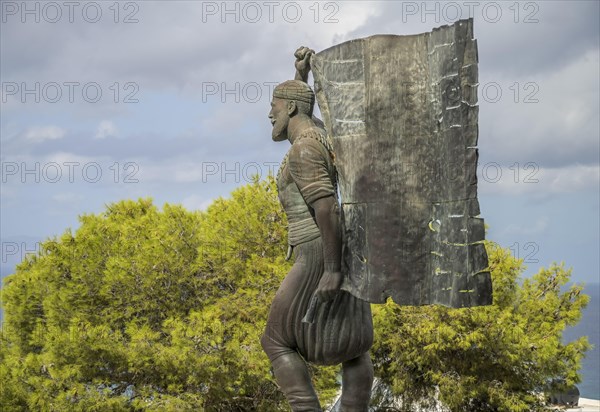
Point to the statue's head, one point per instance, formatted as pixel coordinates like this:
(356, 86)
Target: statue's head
(290, 98)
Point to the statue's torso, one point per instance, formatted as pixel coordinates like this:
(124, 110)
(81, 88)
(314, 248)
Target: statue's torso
(301, 222)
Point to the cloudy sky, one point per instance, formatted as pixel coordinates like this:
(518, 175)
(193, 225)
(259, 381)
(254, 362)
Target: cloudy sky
(103, 101)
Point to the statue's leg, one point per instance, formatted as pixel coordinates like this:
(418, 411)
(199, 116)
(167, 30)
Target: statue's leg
(293, 378)
(284, 333)
(291, 373)
(357, 379)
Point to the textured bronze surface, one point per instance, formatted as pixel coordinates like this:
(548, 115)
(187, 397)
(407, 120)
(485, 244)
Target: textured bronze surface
(401, 112)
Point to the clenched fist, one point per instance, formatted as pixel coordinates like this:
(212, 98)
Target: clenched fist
(329, 286)
(302, 63)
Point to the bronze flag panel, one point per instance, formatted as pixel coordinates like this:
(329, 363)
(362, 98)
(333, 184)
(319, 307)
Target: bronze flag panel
(401, 112)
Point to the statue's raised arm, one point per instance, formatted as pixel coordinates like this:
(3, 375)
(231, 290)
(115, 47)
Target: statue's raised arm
(303, 55)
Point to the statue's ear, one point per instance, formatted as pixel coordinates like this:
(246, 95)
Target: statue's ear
(292, 108)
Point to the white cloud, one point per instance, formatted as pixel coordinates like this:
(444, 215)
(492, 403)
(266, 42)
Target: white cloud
(538, 227)
(530, 179)
(67, 197)
(39, 134)
(200, 46)
(63, 158)
(187, 173)
(573, 178)
(106, 128)
(218, 171)
(557, 127)
(196, 202)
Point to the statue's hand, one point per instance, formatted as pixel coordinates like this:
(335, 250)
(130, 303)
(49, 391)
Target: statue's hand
(329, 286)
(303, 61)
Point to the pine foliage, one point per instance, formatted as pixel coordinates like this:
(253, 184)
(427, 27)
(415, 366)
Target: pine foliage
(162, 310)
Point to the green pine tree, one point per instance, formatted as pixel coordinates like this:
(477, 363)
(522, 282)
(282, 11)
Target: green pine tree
(162, 310)
(500, 358)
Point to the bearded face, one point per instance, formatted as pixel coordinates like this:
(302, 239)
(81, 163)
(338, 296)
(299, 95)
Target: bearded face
(279, 119)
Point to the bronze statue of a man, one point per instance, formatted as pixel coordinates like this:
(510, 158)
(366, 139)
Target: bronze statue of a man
(342, 330)
(409, 233)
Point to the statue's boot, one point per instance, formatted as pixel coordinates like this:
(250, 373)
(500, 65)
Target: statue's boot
(293, 378)
(357, 380)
